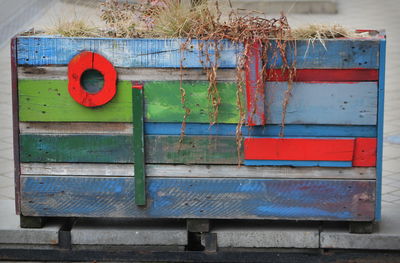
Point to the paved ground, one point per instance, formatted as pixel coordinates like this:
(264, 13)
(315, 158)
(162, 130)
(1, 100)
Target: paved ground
(361, 14)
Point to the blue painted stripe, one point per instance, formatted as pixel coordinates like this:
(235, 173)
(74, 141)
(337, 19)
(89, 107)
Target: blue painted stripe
(297, 163)
(381, 101)
(232, 198)
(166, 52)
(157, 128)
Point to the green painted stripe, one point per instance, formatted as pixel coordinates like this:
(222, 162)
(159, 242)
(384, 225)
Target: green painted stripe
(49, 100)
(119, 149)
(138, 142)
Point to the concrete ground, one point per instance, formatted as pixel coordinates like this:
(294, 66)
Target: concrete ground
(358, 14)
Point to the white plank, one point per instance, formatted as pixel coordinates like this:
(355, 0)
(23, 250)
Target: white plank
(197, 171)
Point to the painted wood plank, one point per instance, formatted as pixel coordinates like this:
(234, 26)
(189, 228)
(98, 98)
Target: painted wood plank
(197, 171)
(324, 103)
(311, 103)
(129, 74)
(160, 74)
(160, 53)
(154, 128)
(118, 149)
(380, 122)
(255, 92)
(298, 149)
(328, 75)
(298, 163)
(339, 53)
(49, 100)
(200, 198)
(138, 144)
(364, 152)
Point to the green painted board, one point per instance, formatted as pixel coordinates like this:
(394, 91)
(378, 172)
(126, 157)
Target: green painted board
(49, 100)
(119, 149)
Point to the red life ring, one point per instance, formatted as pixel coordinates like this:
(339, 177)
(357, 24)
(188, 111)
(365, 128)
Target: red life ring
(85, 61)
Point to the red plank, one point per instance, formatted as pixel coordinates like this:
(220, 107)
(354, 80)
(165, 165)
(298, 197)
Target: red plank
(255, 90)
(328, 75)
(298, 149)
(365, 152)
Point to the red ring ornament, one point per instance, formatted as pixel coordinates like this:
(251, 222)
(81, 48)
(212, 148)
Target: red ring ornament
(85, 61)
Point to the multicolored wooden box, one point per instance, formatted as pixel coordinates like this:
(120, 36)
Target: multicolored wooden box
(75, 149)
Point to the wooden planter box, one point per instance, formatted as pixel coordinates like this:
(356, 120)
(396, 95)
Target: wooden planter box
(77, 161)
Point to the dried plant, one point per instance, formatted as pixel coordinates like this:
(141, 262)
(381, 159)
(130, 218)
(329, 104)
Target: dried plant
(74, 28)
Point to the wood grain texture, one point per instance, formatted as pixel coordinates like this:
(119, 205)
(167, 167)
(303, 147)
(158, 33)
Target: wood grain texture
(15, 120)
(200, 198)
(311, 103)
(119, 149)
(255, 92)
(160, 74)
(364, 152)
(324, 103)
(298, 163)
(160, 53)
(138, 143)
(380, 123)
(197, 171)
(153, 128)
(49, 100)
(129, 74)
(337, 53)
(298, 149)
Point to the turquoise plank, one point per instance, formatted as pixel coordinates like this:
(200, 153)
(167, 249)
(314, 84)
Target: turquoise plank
(146, 53)
(165, 53)
(297, 163)
(154, 128)
(324, 103)
(199, 198)
(381, 103)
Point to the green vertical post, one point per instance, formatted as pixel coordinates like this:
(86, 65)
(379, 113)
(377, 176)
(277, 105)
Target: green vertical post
(138, 144)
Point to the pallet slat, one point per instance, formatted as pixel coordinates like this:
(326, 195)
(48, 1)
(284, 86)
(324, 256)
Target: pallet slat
(200, 198)
(352, 103)
(166, 53)
(197, 171)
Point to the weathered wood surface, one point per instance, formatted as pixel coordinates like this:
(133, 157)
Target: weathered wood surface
(323, 103)
(129, 74)
(298, 163)
(365, 152)
(338, 53)
(50, 101)
(200, 198)
(380, 123)
(152, 74)
(298, 149)
(311, 103)
(138, 143)
(153, 128)
(196, 171)
(163, 53)
(119, 149)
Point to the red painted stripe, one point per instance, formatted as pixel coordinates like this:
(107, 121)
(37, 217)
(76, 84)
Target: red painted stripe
(326, 75)
(298, 149)
(365, 152)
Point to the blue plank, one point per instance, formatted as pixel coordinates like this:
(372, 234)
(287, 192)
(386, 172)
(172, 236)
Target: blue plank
(160, 53)
(199, 198)
(297, 163)
(324, 103)
(165, 53)
(381, 101)
(154, 128)
(337, 53)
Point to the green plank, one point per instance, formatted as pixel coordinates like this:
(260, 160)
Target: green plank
(138, 144)
(159, 149)
(49, 100)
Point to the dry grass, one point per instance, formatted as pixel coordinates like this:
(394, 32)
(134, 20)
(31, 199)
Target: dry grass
(74, 28)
